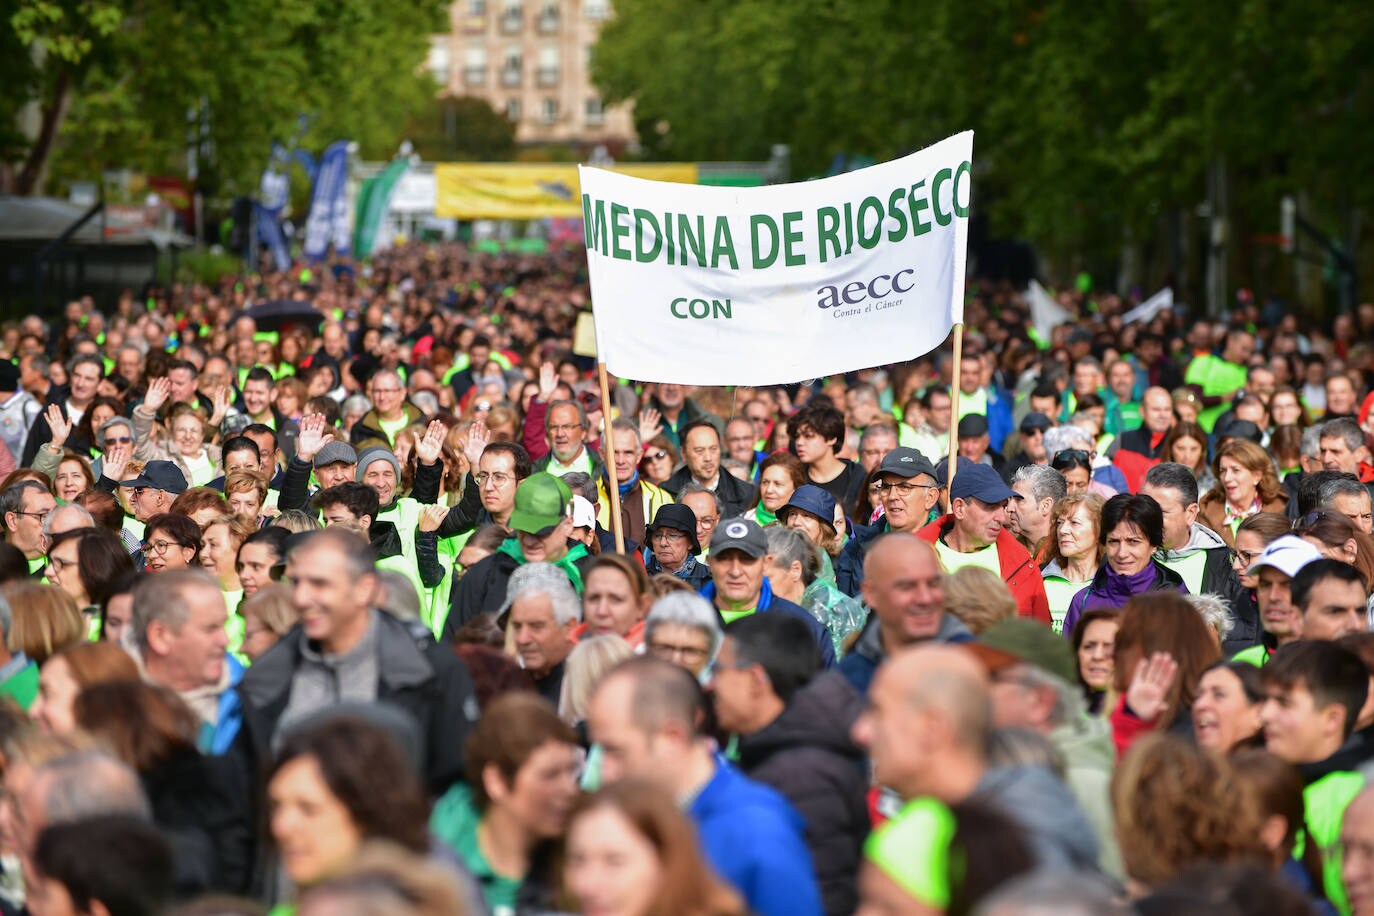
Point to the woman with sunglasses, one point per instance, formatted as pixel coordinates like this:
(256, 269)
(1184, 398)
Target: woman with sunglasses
(660, 458)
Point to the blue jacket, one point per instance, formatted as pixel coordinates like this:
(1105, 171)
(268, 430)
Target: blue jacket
(770, 602)
(999, 416)
(754, 839)
(228, 716)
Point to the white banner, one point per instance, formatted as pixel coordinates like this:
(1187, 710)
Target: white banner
(1145, 311)
(778, 284)
(1046, 313)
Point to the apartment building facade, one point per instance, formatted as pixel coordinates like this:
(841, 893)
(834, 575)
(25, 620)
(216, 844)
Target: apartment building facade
(531, 60)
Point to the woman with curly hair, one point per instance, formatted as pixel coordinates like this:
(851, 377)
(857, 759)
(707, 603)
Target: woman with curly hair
(1177, 805)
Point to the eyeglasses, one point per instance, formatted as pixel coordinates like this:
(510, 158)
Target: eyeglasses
(707, 521)
(758, 421)
(373, 392)
(496, 478)
(1244, 557)
(157, 548)
(670, 652)
(118, 440)
(668, 536)
(657, 456)
(904, 488)
(41, 516)
(58, 564)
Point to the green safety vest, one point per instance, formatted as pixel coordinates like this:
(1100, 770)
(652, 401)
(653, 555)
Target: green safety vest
(1255, 655)
(1190, 568)
(1325, 802)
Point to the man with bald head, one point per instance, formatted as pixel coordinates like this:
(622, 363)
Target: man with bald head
(927, 729)
(903, 587)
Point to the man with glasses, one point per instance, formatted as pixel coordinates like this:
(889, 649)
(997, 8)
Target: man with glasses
(707, 508)
(1032, 444)
(907, 492)
(390, 412)
(673, 546)
(26, 506)
(153, 490)
(975, 533)
(565, 429)
(739, 445)
(877, 440)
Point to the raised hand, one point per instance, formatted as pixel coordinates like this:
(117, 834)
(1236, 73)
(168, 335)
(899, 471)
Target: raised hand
(116, 461)
(159, 390)
(223, 400)
(548, 381)
(1149, 691)
(430, 446)
(650, 424)
(478, 439)
(431, 517)
(61, 427)
(311, 437)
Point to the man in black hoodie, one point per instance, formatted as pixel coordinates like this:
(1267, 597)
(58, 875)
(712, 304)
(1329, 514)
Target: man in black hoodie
(793, 722)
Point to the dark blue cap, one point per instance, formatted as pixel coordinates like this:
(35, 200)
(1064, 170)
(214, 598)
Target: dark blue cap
(980, 481)
(160, 475)
(814, 500)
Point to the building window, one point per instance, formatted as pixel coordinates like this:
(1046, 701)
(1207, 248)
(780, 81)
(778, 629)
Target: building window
(512, 17)
(513, 110)
(475, 66)
(548, 111)
(597, 9)
(511, 67)
(549, 18)
(596, 116)
(547, 74)
(440, 59)
(477, 7)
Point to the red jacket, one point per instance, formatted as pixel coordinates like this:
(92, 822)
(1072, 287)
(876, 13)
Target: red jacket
(1018, 570)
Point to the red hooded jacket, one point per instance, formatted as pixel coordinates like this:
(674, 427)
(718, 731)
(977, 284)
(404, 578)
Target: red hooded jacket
(1019, 570)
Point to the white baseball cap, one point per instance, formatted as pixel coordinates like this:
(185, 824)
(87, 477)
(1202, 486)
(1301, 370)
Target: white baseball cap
(584, 516)
(1287, 554)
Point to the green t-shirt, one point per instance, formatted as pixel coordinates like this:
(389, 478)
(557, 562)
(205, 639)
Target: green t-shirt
(952, 559)
(1217, 377)
(392, 427)
(454, 822)
(202, 469)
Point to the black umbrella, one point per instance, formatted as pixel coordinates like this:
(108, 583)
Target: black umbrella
(283, 313)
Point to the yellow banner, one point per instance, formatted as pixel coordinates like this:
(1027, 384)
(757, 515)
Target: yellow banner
(500, 191)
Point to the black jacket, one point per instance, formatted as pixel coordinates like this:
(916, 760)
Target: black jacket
(40, 434)
(203, 806)
(807, 755)
(416, 675)
(735, 494)
(482, 589)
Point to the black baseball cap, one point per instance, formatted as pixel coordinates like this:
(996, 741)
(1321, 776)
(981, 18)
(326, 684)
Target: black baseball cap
(971, 426)
(906, 462)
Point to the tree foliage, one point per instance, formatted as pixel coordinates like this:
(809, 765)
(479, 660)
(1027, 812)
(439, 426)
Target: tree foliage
(137, 71)
(465, 129)
(1092, 121)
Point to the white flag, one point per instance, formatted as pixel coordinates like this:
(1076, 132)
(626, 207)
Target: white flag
(1160, 301)
(1046, 314)
(770, 285)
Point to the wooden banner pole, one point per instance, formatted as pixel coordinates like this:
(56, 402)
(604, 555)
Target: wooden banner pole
(954, 408)
(608, 455)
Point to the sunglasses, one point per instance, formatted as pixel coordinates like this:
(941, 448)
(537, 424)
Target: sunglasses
(657, 456)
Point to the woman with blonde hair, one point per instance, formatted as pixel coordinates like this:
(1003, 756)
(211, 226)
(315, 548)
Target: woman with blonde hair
(1074, 551)
(45, 620)
(184, 444)
(978, 597)
(268, 614)
(1247, 484)
(589, 660)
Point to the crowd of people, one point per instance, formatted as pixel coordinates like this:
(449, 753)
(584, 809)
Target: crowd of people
(333, 615)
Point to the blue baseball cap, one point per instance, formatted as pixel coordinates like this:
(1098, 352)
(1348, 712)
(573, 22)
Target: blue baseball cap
(981, 482)
(812, 500)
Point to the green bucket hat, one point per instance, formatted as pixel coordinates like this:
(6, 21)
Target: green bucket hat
(541, 502)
